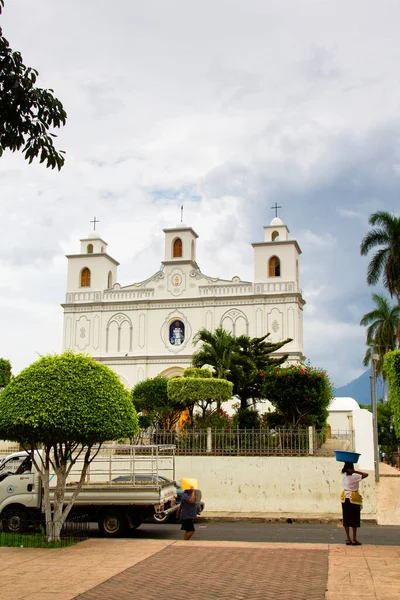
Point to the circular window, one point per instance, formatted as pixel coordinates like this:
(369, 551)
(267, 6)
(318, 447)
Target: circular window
(176, 333)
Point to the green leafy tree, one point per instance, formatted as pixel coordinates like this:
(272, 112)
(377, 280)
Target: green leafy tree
(241, 360)
(5, 372)
(300, 395)
(27, 112)
(58, 409)
(253, 360)
(392, 369)
(150, 398)
(198, 386)
(385, 263)
(382, 325)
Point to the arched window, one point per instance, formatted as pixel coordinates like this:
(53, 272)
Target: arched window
(177, 248)
(109, 280)
(275, 236)
(274, 267)
(102, 249)
(90, 249)
(193, 253)
(85, 277)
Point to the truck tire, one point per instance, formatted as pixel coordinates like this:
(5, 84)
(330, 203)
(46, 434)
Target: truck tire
(161, 518)
(113, 523)
(14, 520)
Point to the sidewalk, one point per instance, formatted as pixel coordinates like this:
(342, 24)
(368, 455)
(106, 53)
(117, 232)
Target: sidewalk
(101, 569)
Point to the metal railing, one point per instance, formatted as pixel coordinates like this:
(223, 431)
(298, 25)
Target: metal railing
(252, 442)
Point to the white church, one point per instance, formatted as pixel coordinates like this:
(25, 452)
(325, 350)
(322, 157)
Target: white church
(145, 329)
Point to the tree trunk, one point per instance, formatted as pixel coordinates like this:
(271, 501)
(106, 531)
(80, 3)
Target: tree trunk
(244, 403)
(62, 464)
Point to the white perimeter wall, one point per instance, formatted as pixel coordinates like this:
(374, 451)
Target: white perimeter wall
(301, 485)
(363, 439)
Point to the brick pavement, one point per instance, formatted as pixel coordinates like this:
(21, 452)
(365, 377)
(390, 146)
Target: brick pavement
(121, 569)
(226, 573)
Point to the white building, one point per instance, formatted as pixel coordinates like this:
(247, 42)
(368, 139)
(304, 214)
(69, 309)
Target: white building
(346, 417)
(147, 328)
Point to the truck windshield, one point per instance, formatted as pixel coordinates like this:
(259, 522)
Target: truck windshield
(12, 464)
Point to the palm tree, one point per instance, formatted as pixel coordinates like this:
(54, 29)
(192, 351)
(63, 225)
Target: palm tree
(383, 323)
(386, 261)
(218, 350)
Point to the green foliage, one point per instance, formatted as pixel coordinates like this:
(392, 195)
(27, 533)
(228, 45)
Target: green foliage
(66, 398)
(200, 390)
(392, 370)
(27, 112)
(300, 395)
(215, 418)
(382, 322)
(150, 397)
(189, 390)
(218, 350)
(26, 540)
(386, 261)
(247, 418)
(240, 360)
(199, 373)
(5, 372)
(253, 360)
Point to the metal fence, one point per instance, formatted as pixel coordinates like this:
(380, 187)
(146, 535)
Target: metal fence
(252, 442)
(28, 533)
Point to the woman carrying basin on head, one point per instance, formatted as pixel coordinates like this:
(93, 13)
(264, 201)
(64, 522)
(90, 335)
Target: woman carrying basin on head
(351, 501)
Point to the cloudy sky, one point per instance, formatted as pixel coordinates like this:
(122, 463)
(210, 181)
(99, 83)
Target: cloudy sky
(227, 106)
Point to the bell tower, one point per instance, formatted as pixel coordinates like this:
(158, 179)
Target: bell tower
(180, 246)
(92, 269)
(276, 259)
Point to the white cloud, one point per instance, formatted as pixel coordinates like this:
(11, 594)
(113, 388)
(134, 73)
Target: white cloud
(227, 106)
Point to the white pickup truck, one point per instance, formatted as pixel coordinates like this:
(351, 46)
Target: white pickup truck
(114, 494)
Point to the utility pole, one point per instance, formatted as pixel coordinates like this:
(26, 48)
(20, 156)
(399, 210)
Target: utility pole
(374, 359)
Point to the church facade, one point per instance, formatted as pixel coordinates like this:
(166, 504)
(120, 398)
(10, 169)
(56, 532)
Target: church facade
(147, 328)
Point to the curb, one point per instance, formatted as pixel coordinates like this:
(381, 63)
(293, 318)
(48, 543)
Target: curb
(286, 520)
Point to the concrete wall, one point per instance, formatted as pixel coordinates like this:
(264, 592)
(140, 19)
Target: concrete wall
(388, 492)
(296, 485)
(363, 438)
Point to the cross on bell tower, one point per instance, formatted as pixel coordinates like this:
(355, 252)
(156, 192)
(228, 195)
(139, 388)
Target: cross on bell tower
(95, 221)
(275, 208)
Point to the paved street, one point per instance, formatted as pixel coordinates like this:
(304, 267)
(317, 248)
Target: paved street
(245, 531)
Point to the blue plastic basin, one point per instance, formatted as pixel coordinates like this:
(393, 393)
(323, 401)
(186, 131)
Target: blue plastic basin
(343, 456)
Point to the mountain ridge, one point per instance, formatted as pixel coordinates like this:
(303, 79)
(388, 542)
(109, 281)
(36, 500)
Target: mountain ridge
(360, 389)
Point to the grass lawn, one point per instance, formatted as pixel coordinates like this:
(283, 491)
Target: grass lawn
(33, 540)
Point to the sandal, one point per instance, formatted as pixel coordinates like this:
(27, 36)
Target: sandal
(349, 543)
(356, 543)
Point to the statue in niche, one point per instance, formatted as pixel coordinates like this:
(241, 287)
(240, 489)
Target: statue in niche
(177, 333)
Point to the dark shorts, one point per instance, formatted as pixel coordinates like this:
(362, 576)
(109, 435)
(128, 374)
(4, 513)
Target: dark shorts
(351, 514)
(188, 525)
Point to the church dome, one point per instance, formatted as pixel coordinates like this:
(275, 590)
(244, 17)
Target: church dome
(94, 235)
(343, 404)
(276, 221)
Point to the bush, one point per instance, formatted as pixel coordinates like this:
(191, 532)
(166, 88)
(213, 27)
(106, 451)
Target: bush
(300, 395)
(247, 418)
